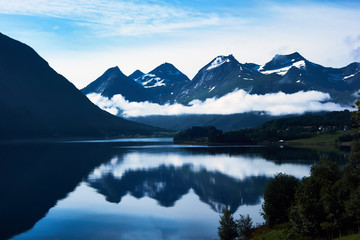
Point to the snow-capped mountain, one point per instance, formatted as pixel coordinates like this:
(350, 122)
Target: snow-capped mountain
(163, 83)
(112, 82)
(287, 73)
(165, 75)
(292, 73)
(160, 85)
(219, 77)
(281, 64)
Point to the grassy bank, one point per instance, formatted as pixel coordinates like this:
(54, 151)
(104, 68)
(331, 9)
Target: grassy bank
(323, 139)
(281, 232)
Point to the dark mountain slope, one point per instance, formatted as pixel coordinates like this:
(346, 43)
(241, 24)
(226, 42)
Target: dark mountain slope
(292, 73)
(113, 82)
(222, 75)
(163, 83)
(37, 102)
(286, 73)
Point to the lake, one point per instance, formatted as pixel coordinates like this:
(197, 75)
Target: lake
(136, 188)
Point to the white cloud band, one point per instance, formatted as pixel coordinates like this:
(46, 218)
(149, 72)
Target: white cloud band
(238, 101)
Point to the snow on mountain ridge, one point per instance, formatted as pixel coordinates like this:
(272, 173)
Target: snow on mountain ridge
(282, 71)
(218, 62)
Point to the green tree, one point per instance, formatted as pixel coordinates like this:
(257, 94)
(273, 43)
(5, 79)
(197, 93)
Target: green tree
(352, 207)
(228, 228)
(279, 195)
(356, 116)
(351, 177)
(305, 214)
(318, 207)
(244, 226)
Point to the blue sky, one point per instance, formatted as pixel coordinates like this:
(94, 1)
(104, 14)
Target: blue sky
(81, 39)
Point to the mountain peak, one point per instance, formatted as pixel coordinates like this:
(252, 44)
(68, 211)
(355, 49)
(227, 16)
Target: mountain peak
(285, 59)
(113, 82)
(136, 74)
(220, 60)
(166, 76)
(113, 72)
(168, 71)
(280, 64)
(296, 55)
(165, 68)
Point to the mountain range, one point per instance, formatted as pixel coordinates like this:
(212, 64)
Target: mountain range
(37, 102)
(159, 85)
(224, 74)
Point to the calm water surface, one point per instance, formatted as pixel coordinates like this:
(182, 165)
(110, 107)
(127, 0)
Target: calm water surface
(136, 188)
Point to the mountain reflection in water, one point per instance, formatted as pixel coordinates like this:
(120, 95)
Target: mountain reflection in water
(36, 178)
(167, 184)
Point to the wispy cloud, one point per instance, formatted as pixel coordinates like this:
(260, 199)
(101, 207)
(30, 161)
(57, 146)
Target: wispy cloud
(111, 17)
(236, 102)
(82, 38)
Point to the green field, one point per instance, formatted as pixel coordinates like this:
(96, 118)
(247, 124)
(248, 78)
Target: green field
(350, 237)
(322, 138)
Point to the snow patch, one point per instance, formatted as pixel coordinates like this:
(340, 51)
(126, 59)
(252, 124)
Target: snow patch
(158, 83)
(352, 75)
(282, 71)
(218, 62)
(151, 81)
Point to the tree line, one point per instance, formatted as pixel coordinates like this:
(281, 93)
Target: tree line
(273, 131)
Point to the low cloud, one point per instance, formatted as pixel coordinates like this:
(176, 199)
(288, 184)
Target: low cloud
(238, 101)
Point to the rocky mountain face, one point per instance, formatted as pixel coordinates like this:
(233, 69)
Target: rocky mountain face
(113, 82)
(224, 74)
(163, 83)
(37, 102)
(160, 85)
(292, 73)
